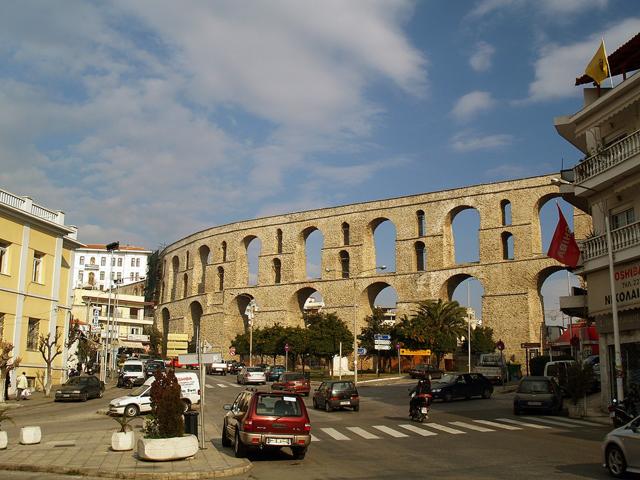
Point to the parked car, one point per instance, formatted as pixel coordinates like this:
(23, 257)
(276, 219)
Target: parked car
(425, 370)
(133, 371)
(559, 371)
(152, 366)
(537, 393)
(81, 388)
(293, 382)
(236, 367)
(464, 385)
(217, 368)
(620, 449)
(275, 372)
(251, 375)
(336, 394)
(266, 420)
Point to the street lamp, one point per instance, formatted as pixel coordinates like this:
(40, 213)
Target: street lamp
(612, 286)
(355, 317)
(111, 247)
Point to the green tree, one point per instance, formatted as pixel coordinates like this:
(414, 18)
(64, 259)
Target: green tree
(154, 273)
(375, 325)
(155, 340)
(166, 404)
(481, 341)
(436, 325)
(241, 343)
(326, 331)
(299, 346)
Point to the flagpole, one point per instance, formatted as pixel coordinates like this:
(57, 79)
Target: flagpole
(607, 60)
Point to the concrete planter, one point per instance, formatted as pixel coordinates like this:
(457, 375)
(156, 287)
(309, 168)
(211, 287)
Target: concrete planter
(122, 441)
(165, 449)
(4, 440)
(30, 435)
(578, 410)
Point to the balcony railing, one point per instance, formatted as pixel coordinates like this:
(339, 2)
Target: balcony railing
(609, 157)
(621, 238)
(26, 204)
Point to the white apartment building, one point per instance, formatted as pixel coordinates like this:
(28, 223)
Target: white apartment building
(93, 265)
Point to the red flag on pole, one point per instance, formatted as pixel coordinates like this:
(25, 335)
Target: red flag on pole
(563, 245)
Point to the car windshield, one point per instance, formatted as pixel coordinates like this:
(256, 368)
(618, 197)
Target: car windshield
(535, 386)
(448, 378)
(293, 376)
(139, 391)
(338, 386)
(78, 381)
(132, 368)
(254, 369)
(280, 406)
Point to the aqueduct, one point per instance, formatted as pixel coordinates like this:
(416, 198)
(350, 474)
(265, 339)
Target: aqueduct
(205, 276)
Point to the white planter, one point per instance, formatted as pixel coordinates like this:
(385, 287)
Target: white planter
(30, 435)
(164, 449)
(4, 440)
(121, 441)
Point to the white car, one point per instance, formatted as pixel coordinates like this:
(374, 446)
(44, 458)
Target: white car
(621, 449)
(251, 375)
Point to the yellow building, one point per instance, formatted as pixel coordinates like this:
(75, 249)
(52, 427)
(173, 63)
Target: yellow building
(36, 259)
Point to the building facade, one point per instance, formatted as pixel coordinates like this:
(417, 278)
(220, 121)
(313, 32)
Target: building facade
(94, 264)
(36, 259)
(606, 184)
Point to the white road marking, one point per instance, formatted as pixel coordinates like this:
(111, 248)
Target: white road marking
(418, 430)
(222, 385)
(208, 386)
(314, 438)
(551, 422)
(496, 424)
(578, 422)
(363, 433)
(333, 433)
(444, 428)
(524, 424)
(470, 426)
(389, 431)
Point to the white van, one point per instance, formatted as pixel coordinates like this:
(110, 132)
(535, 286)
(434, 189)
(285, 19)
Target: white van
(133, 369)
(139, 400)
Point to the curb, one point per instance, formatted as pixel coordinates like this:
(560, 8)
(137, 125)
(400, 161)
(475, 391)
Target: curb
(95, 472)
(380, 379)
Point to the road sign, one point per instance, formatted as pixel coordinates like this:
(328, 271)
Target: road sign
(406, 351)
(96, 316)
(286, 347)
(500, 345)
(232, 350)
(382, 342)
(383, 347)
(382, 336)
(362, 351)
(192, 358)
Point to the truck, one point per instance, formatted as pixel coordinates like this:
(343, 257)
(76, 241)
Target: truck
(492, 366)
(218, 366)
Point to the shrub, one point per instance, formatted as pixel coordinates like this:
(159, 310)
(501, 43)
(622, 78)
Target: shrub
(579, 381)
(536, 364)
(166, 405)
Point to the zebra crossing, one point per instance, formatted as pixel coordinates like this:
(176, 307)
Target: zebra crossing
(431, 429)
(224, 385)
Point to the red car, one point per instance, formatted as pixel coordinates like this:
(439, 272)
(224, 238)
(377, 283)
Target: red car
(292, 382)
(266, 420)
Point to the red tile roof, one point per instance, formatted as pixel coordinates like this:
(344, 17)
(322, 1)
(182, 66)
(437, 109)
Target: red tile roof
(103, 246)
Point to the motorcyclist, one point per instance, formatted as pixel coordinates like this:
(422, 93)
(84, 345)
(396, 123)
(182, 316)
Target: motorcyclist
(423, 386)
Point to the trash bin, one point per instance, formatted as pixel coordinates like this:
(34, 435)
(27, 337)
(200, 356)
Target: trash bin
(191, 422)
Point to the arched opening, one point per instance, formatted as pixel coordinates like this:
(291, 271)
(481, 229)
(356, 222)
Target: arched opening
(465, 226)
(223, 251)
(187, 261)
(162, 292)
(468, 291)
(548, 216)
(253, 247)
(92, 278)
(175, 267)
(345, 234)
(203, 252)
(313, 243)
(421, 257)
(422, 227)
(553, 283)
(306, 300)
(279, 241)
(384, 296)
(195, 311)
(165, 330)
(505, 208)
(239, 321)
(220, 279)
(384, 239)
(92, 261)
(277, 271)
(185, 286)
(345, 267)
(507, 246)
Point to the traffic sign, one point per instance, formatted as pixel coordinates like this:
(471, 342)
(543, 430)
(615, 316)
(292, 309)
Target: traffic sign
(383, 347)
(500, 345)
(362, 351)
(232, 350)
(407, 351)
(286, 347)
(382, 342)
(382, 336)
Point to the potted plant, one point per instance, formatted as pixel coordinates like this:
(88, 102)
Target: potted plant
(123, 439)
(164, 429)
(4, 439)
(579, 382)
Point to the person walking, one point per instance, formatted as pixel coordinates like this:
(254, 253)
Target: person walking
(21, 384)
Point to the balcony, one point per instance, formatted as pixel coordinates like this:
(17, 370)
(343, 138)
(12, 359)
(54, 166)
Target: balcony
(621, 238)
(608, 158)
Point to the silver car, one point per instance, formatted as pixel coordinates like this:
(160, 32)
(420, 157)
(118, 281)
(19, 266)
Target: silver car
(251, 375)
(621, 449)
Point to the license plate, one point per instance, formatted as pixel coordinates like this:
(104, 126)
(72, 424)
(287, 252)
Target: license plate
(424, 410)
(535, 404)
(278, 441)
(345, 402)
(65, 395)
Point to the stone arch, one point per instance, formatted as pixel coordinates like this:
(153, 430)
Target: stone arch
(203, 254)
(536, 224)
(175, 268)
(383, 248)
(277, 271)
(421, 223)
(251, 264)
(420, 257)
(346, 234)
(220, 279)
(195, 316)
(238, 320)
(366, 300)
(505, 210)
(297, 302)
(165, 329)
(508, 247)
(471, 236)
(313, 252)
(185, 285)
(345, 264)
(223, 251)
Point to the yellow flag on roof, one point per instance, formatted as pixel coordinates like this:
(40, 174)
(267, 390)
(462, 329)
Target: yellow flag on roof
(598, 68)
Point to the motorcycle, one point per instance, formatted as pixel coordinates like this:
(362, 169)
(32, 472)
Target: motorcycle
(623, 412)
(419, 411)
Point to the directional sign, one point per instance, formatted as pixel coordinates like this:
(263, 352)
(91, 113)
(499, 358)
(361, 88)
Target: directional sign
(96, 316)
(232, 350)
(192, 358)
(383, 347)
(362, 351)
(382, 336)
(286, 347)
(382, 342)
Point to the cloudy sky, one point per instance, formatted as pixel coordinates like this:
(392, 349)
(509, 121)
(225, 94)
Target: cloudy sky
(145, 121)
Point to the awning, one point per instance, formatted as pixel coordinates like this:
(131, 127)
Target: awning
(626, 276)
(586, 334)
(128, 344)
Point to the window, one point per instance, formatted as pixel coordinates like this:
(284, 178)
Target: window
(33, 333)
(4, 257)
(113, 261)
(133, 313)
(37, 267)
(120, 262)
(220, 279)
(101, 275)
(277, 270)
(622, 219)
(185, 286)
(119, 277)
(133, 262)
(223, 247)
(344, 264)
(507, 246)
(131, 276)
(421, 262)
(137, 276)
(80, 275)
(279, 241)
(92, 278)
(187, 262)
(421, 223)
(81, 260)
(137, 262)
(505, 207)
(92, 261)
(103, 261)
(1, 325)
(345, 234)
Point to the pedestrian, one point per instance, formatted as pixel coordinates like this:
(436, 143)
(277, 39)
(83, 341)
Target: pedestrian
(7, 383)
(21, 384)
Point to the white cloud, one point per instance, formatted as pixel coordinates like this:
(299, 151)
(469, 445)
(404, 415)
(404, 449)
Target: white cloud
(550, 8)
(481, 59)
(464, 142)
(558, 65)
(471, 104)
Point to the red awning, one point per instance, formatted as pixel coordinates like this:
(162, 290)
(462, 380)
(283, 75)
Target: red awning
(586, 334)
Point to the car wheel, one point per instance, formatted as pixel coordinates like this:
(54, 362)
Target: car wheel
(486, 393)
(356, 408)
(100, 394)
(447, 397)
(225, 440)
(516, 410)
(327, 407)
(616, 463)
(239, 449)
(185, 405)
(315, 404)
(299, 452)
(131, 410)
(84, 397)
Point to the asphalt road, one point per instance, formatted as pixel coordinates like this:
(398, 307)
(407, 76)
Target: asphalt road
(379, 441)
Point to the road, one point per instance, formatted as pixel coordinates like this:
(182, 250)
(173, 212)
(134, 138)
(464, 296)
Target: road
(462, 439)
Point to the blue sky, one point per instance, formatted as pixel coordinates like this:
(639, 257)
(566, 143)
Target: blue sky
(145, 121)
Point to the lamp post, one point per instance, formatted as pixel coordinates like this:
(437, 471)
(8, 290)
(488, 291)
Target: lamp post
(612, 286)
(111, 247)
(355, 317)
